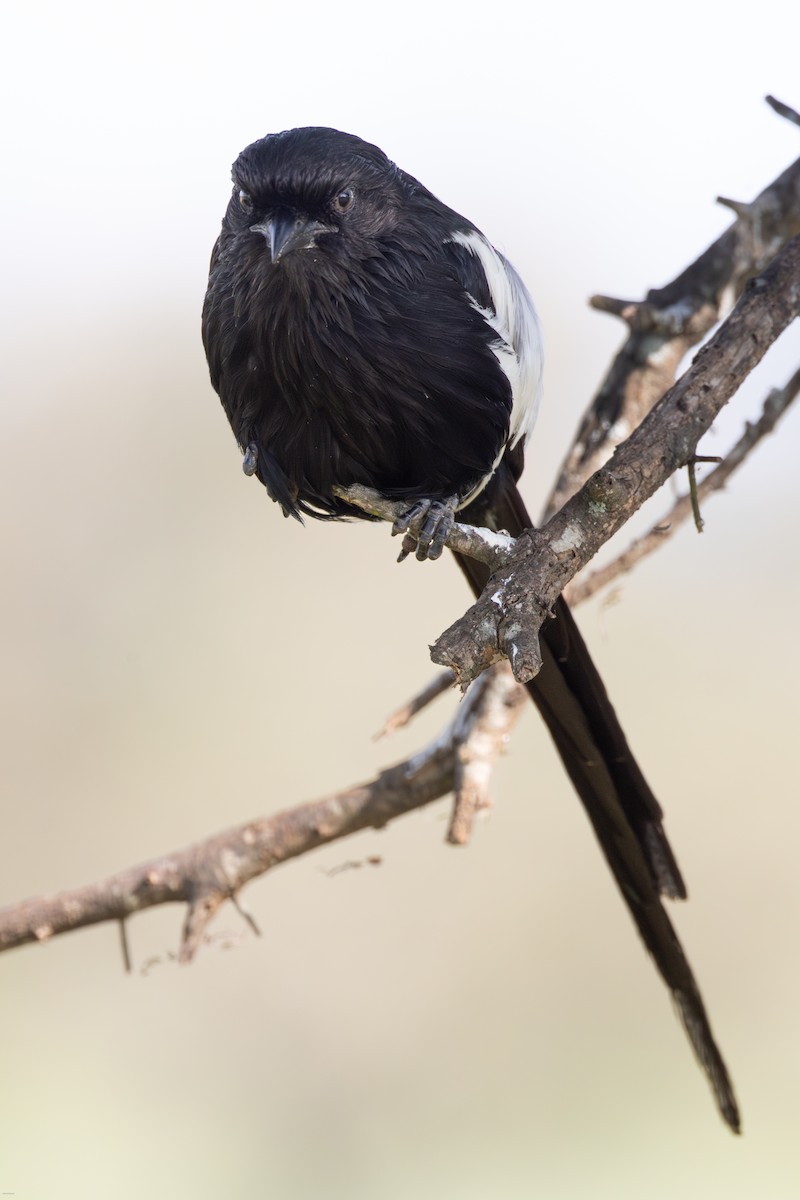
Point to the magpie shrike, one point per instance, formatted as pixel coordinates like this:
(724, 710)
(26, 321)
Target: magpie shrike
(358, 330)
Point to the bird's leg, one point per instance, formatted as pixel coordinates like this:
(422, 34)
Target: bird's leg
(425, 527)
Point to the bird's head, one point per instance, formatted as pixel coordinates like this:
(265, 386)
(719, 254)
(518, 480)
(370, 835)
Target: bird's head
(313, 186)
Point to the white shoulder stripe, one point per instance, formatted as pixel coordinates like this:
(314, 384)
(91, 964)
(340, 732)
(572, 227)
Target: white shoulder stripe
(519, 348)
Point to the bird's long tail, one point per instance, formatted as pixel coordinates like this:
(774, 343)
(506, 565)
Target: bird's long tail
(624, 813)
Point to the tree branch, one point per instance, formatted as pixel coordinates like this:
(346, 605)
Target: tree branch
(205, 875)
(487, 546)
(775, 405)
(671, 319)
(505, 621)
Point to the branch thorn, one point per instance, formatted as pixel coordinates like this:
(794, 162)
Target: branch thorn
(741, 209)
(245, 914)
(124, 945)
(699, 523)
(627, 310)
(783, 110)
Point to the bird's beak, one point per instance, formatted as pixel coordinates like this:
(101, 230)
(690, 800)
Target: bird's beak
(289, 231)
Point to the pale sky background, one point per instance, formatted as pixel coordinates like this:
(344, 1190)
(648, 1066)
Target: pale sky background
(176, 658)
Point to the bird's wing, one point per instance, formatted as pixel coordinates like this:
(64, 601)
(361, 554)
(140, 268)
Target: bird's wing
(495, 288)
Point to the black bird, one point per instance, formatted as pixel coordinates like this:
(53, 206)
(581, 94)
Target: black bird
(358, 330)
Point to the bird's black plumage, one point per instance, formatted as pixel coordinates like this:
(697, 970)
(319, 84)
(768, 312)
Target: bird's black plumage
(359, 359)
(359, 331)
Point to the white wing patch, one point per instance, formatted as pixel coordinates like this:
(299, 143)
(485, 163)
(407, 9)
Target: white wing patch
(518, 349)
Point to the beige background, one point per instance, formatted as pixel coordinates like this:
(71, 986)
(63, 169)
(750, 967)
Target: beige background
(462, 1024)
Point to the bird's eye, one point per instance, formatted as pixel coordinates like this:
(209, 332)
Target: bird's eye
(344, 200)
(246, 201)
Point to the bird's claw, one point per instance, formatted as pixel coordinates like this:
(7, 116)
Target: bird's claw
(425, 528)
(250, 460)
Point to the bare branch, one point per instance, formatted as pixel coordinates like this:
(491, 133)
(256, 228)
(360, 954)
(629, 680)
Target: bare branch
(483, 544)
(672, 319)
(203, 876)
(476, 755)
(505, 621)
(775, 406)
(584, 587)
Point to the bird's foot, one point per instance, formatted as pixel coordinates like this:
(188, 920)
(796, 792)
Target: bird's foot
(250, 460)
(425, 528)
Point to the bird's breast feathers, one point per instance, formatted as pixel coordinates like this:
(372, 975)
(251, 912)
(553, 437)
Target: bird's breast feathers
(418, 350)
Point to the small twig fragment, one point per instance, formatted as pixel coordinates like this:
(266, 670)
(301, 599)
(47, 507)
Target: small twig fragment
(202, 908)
(740, 207)
(641, 316)
(690, 466)
(625, 309)
(124, 946)
(443, 682)
(698, 520)
(783, 110)
(245, 913)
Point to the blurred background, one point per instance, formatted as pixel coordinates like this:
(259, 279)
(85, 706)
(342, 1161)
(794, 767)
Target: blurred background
(454, 1023)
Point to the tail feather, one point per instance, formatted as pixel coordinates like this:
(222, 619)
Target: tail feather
(624, 813)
